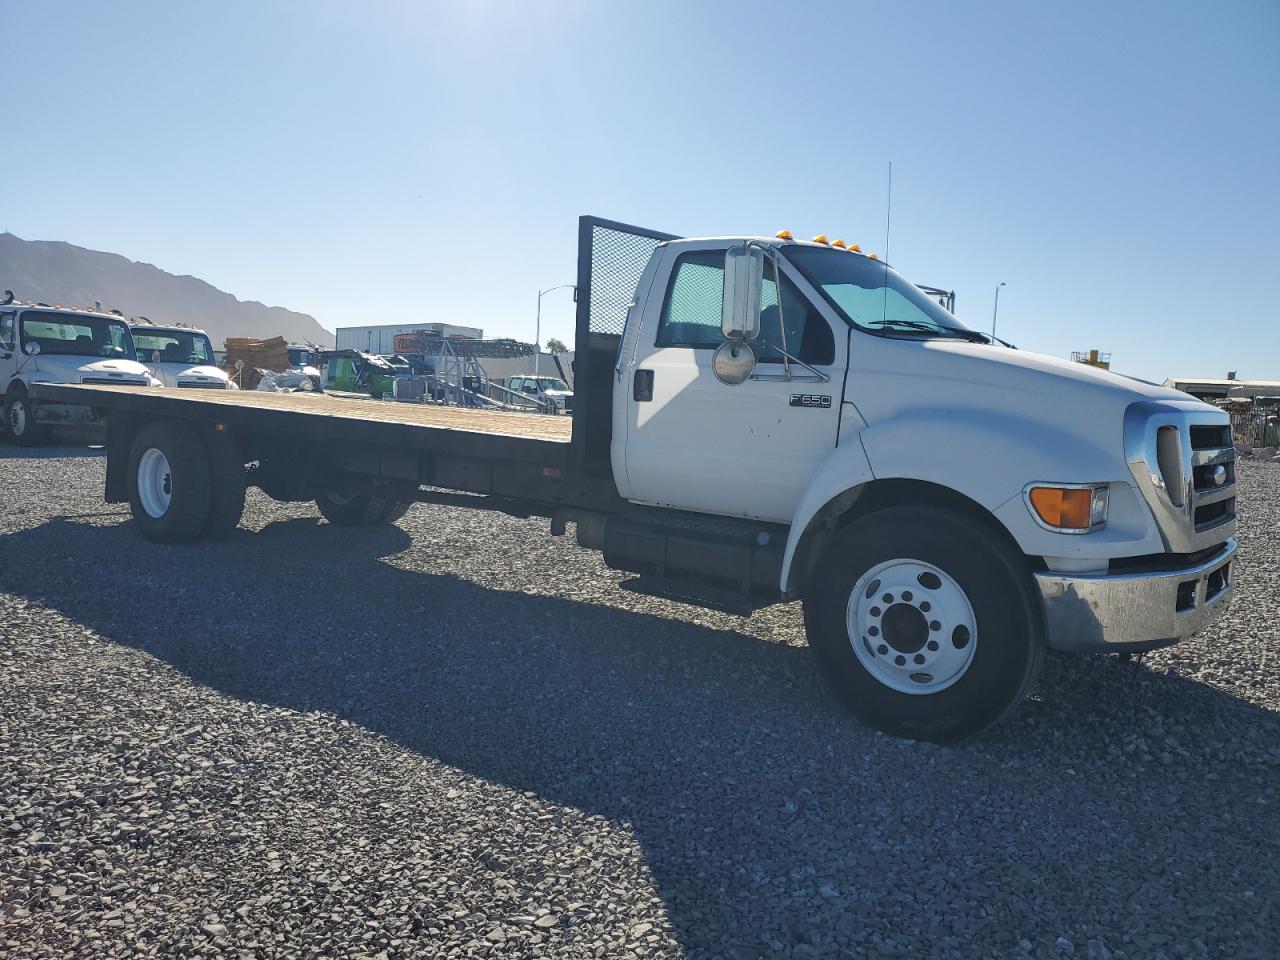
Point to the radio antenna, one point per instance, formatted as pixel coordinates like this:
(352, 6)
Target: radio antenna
(888, 212)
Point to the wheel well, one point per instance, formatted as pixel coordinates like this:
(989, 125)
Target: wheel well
(844, 508)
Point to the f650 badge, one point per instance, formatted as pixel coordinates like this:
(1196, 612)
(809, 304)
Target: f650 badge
(817, 400)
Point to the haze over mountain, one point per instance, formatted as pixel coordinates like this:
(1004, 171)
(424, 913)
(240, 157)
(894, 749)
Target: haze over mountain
(54, 272)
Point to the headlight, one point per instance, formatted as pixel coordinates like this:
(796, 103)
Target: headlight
(1068, 508)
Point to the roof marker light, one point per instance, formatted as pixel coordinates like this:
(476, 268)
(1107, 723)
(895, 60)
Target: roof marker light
(872, 256)
(839, 243)
(783, 235)
(820, 238)
(855, 248)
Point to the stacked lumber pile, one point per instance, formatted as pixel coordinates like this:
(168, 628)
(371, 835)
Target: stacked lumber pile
(258, 355)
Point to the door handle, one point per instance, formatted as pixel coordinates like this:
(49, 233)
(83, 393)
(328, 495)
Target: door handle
(642, 386)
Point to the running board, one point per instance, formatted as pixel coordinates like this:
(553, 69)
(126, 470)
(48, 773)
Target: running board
(724, 601)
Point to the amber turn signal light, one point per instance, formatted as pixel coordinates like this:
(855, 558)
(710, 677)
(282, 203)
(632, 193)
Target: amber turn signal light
(1066, 508)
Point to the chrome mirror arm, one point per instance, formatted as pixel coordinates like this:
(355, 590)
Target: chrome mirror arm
(771, 252)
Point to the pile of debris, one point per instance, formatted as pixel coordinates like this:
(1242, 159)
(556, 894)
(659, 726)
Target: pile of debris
(1246, 452)
(257, 357)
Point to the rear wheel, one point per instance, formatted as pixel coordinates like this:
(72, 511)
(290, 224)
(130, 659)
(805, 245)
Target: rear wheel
(170, 485)
(19, 422)
(227, 485)
(924, 623)
(360, 509)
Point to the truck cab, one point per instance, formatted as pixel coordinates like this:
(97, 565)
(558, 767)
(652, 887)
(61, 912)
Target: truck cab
(305, 360)
(179, 356)
(922, 487)
(44, 344)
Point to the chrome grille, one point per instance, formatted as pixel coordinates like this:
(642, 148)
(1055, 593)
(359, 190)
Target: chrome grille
(202, 385)
(114, 381)
(1183, 460)
(1213, 476)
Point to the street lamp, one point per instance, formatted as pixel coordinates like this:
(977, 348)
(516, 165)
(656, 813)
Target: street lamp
(537, 335)
(995, 308)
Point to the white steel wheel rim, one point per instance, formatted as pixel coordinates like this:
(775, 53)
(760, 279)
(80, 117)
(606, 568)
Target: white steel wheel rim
(155, 483)
(18, 417)
(911, 626)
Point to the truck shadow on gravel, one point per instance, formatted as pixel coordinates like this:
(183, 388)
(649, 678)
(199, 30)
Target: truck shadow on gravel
(1113, 803)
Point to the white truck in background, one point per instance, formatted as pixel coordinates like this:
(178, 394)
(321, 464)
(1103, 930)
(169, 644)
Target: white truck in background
(762, 420)
(44, 344)
(552, 392)
(178, 356)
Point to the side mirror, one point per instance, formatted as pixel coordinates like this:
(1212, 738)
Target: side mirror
(743, 273)
(32, 349)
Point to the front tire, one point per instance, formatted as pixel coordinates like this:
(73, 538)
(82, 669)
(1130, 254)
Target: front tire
(924, 623)
(18, 421)
(170, 483)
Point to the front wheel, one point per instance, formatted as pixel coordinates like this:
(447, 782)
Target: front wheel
(924, 623)
(19, 421)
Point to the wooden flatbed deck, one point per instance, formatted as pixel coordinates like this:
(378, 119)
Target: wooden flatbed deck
(542, 438)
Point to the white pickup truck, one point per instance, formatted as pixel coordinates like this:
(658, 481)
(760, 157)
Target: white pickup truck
(761, 420)
(179, 356)
(43, 344)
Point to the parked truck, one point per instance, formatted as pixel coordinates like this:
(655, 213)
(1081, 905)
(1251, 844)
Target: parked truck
(54, 344)
(762, 420)
(179, 356)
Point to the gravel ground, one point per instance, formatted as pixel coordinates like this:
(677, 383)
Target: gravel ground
(459, 738)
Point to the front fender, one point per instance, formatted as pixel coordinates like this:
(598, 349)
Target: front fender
(846, 468)
(989, 460)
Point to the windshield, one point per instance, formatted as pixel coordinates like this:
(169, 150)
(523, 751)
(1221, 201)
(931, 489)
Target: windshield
(76, 334)
(552, 383)
(872, 296)
(299, 357)
(174, 346)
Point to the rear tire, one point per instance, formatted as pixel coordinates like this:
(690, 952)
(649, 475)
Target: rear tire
(930, 582)
(170, 483)
(227, 485)
(18, 421)
(359, 510)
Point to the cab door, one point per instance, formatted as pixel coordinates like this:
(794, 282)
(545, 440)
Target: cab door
(8, 348)
(749, 449)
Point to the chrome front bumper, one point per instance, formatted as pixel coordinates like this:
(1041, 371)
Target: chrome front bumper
(1129, 612)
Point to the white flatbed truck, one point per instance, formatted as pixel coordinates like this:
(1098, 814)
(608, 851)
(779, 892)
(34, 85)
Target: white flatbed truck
(762, 420)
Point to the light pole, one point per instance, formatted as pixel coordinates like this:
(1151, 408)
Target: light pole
(995, 308)
(537, 335)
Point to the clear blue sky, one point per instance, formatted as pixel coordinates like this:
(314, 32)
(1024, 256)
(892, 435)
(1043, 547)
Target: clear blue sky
(1116, 164)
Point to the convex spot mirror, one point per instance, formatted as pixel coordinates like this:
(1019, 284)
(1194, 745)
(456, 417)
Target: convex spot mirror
(743, 273)
(733, 362)
(155, 356)
(32, 349)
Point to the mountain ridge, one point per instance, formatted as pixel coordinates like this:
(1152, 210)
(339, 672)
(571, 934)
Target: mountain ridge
(61, 272)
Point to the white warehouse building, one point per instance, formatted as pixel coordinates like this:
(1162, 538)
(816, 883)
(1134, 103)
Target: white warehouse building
(382, 339)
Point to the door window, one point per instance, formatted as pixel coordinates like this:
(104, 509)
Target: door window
(692, 312)
(695, 299)
(6, 330)
(799, 325)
